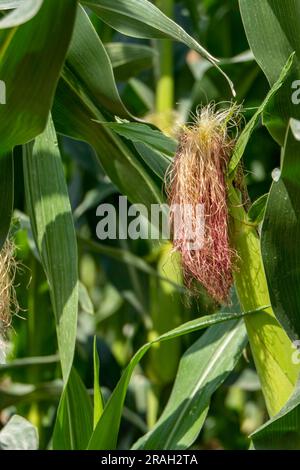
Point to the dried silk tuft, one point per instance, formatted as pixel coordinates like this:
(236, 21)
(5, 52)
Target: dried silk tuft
(8, 301)
(197, 176)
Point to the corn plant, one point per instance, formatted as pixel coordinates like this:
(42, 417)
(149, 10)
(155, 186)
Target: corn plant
(102, 342)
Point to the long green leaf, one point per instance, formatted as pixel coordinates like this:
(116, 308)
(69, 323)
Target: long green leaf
(98, 399)
(280, 232)
(202, 369)
(88, 60)
(142, 19)
(155, 148)
(74, 422)
(246, 134)
(143, 133)
(106, 432)
(31, 57)
(156, 161)
(272, 29)
(52, 224)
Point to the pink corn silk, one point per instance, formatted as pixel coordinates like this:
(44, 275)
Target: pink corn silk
(197, 176)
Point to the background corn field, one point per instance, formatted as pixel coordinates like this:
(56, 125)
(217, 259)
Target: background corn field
(108, 349)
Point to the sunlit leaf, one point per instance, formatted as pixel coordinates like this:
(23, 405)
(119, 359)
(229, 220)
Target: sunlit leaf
(272, 30)
(246, 133)
(106, 432)
(202, 369)
(31, 57)
(52, 224)
(74, 422)
(142, 19)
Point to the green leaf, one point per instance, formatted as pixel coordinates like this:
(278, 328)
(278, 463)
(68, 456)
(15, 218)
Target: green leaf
(7, 195)
(106, 432)
(249, 128)
(142, 19)
(74, 422)
(98, 399)
(156, 161)
(88, 60)
(19, 434)
(154, 147)
(203, 368)
(282, 432)
(257, 210)
(280, 233)
(52, 224)
(272, 31)
(31, 57)
(129, 59)
(142, 133)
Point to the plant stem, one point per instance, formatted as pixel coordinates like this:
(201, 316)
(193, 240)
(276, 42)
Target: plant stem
(271, 347)
(165, 81)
